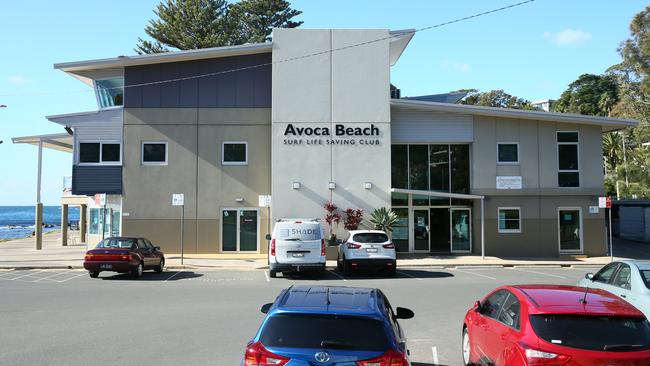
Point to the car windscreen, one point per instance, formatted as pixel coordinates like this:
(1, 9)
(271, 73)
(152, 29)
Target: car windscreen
(324, 331)
(597, 333)
(304, 231)
(370, 238)
(645, 274)
(115, 244)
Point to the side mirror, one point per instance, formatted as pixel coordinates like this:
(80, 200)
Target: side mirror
(157, 249)
(404, 313)
(265, 308)
(477, 306)
(589, 276)
(268, 236)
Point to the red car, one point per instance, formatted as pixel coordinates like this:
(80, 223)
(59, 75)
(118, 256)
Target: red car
(555, 325)
(123, 255)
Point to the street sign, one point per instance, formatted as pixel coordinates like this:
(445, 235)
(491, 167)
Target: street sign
(605, 202)
(100, 199)
(264, 200)
(178, 199)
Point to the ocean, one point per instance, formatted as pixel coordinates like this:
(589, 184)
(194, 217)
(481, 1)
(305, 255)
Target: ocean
(18, 221)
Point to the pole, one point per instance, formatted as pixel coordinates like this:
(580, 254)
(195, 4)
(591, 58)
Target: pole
(627, 183)
(104, 221)
(611, 243)
(482, 229)
(38, 227)
(182, 228)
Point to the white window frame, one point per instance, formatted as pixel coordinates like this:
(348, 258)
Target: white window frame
(507, 162)
(223, 148)
(508, 231)
(559, 242)
(557, 157)
(154, 163)
(101, 162)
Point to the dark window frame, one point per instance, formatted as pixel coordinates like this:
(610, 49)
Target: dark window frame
(507, 162)
(562, 141)
(154, 162)
(100, 160)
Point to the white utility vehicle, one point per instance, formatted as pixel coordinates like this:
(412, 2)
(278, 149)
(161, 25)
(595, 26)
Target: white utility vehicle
(296, 245)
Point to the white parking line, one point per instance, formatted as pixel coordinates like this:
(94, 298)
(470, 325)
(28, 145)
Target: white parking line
(174, 275)
(475, 274)
(539, 273)
(337, 275)
(50, 276)
(408, 275)
(28, 274)
(68, 279)
(434, 351)
(266, 274)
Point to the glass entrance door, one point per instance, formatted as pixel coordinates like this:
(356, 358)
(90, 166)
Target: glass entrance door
(239, 230)
(461, 230)
(570, 230)
(439, 230)
(421, 230)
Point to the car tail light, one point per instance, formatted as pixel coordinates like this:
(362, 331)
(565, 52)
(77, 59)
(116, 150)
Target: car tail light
(389, 246)
(322, 247)
(273, 247)
(125, 257)
(257, 355)
(390, 358)
(353, 245)
(88, 257)
(536, 357)
(297, 222)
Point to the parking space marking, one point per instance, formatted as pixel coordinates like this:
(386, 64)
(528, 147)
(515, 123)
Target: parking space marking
(408, 275)
(539, 273)
(475, 274)
(338, 275)
(266, 274)
(51, 276)
(29, 274)
(174, 275)
(68, 279)
(434, 351)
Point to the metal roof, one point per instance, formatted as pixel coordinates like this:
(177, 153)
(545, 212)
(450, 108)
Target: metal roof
(57, 141)
(113, 114)
(330, 299)
(440, 98)
(607, 123)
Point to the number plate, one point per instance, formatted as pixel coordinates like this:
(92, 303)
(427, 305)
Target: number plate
(106, 266)
(371, 250)
(298, 255)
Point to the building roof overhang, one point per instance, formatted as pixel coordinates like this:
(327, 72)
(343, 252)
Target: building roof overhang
(399, 39)
(437, 194)
(113, 114)
(607, 123)
(57, 141)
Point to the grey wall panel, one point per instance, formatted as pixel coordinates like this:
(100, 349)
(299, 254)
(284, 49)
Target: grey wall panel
(424, 126)
(89, 180)
(249, 87)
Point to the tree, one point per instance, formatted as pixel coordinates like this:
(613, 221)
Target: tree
(495, 98)
(591, 94)
(636, 49)
(194, 24)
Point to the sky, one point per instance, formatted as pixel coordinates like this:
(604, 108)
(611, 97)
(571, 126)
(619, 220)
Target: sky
(533, 51)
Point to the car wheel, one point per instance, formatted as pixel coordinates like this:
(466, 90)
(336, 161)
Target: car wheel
(93, 274)
(466, 348)
(137, 272)
(161, 266)
(273, 273)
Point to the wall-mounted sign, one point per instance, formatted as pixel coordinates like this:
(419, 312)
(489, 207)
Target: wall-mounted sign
(605, 202)
(264, 200)
(509, 182)
(100, 199)
(178, 199)
(340, 134)
(593, 209)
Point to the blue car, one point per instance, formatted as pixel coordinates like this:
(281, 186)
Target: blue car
(329, 326)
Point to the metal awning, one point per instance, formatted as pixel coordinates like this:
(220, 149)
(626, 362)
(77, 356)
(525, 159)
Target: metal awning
(57, 141)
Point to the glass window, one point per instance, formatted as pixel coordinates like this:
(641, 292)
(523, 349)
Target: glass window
(459, 158)
(507, 153)
(623, 277)
(110, 152)
(439, 168)
(606, 273)
(596, 333)
(401, 230)
(418, 167)
(115, 220)
(568, 179)
(567, 137)
(509, 315)
(94, 221)
(509, 220)
(399, 166)
(317, 330)
(116, 243)
(89, 152)
(460, 230)
(570, 230)
(491, 306)
(235, 153)
(370, 238)
(645, 274)
(110, 92)
(154, 153)
(399, 199)
(567, 156)
(148, 244)
(141, 244)
(420, 200)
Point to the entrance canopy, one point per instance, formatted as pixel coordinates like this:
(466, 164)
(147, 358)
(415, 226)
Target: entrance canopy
(56, 141)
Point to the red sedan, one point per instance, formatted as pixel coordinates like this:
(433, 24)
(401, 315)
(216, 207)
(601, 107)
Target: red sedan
(124, 255)
(555, 325)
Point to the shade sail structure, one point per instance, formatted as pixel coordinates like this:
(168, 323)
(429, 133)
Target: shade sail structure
(56, 141)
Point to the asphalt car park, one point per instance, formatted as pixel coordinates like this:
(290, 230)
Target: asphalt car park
(203, 317)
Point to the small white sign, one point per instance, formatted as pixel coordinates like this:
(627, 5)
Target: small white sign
(509, 182)
(178, 199)
(126, 214)
(264, 200)
(602, 202)
(593, 209)
(100, 199)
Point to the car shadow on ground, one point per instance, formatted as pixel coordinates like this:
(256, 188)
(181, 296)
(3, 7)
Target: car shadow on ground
(167, 276)
(426, 364)
(367, 275)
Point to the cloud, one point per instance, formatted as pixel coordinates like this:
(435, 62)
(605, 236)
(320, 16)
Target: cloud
(18, 80)
(456, 66)
(568, 37)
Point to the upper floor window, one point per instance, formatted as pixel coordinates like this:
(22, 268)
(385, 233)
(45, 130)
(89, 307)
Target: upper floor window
(567, 155)
(154, 153)
(508, 153)
(110, 92)
(99, 152)
(234, 153)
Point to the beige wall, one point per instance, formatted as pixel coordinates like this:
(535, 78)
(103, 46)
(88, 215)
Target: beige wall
(194, 137)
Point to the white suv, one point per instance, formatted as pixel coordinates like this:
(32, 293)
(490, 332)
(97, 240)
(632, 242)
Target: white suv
(368, 249)
(296, 245)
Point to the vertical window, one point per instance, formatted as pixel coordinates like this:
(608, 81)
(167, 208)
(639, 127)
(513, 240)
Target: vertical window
(509, 219)
(110, 152)
(94, 221)
(567, 156)
(418, 167)
(154, 153)
(399, 166)
(507, 153)
(234, 153)
(110, 92)
(459, 159)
